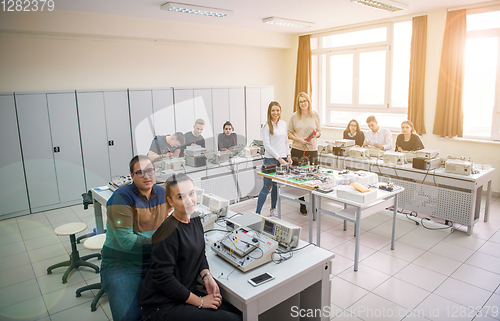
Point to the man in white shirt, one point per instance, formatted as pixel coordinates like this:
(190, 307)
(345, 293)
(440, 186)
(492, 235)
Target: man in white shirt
(377, 137)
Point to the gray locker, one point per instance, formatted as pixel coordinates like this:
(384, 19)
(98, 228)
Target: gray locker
(203, 109)
(237, 113)
(141, 120)
(257, 99)
(105, 132)
(118, 129)
(38, 154)
(94, 138)
(66, 139)
(184, 109)
(163, 111)
(50, 141)
(13, 195)
(220, 98)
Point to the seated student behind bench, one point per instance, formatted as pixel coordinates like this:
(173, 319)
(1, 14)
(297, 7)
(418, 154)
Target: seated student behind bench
(227, 138)
(408, 140)
(166, 146)
(354, 132)
(377, 136)
(178, 259)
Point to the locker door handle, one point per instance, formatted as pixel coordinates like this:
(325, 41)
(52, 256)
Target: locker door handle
(111, 143)
(57, 149)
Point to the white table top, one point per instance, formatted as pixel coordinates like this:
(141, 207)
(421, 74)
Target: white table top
(70, 228)
(381, 195)
(236, 282)
(95, 242)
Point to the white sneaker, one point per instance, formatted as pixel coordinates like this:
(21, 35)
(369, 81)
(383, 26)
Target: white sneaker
(273, 212)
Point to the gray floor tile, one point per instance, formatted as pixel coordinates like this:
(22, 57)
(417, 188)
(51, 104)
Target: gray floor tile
(80, 312)
(46, 252)
(12, 261)
(11, 249)
(19, 292)
(16, 275)
(29, 310)
(64, 299)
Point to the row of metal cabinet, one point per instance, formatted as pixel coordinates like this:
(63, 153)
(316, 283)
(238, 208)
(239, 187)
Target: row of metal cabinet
(57, 145)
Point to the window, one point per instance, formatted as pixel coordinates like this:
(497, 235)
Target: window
(481, 93)
(361, 72)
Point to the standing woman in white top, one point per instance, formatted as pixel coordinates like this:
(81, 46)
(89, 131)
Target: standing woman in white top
(303, 123)
(274, 136)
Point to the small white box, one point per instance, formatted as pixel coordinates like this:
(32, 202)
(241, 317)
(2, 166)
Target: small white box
(358, 152)
(427, 153)
(350, 193)
(456, 166)
(365, 178)
(394, 158)
(344, 142)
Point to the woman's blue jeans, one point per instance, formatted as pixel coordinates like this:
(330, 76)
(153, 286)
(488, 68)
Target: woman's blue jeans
(268, 186)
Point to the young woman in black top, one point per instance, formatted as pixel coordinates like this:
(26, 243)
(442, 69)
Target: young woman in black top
(408, 140)
(178, 258)
(354, 132)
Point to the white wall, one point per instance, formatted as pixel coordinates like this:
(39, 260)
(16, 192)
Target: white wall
(67, 51)
(481, 152)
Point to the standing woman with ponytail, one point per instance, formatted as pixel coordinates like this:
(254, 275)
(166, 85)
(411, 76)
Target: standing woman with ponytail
(304, 129)
(274, 136)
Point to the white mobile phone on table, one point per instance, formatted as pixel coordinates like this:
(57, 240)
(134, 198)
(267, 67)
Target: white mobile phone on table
(260, 279)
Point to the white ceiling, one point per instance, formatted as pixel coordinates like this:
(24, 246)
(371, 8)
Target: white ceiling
(249, 13)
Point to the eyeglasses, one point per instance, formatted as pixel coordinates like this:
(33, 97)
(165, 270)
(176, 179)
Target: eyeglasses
(142, 173)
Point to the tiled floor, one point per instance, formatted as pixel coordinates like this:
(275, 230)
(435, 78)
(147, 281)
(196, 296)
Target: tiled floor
(431, 275)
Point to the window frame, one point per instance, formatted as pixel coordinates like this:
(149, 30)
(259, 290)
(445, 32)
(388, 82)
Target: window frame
(488, 33)
(325, 106)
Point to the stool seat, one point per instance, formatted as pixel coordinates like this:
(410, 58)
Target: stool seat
(75, 261)
(70, 228)
(95, 242)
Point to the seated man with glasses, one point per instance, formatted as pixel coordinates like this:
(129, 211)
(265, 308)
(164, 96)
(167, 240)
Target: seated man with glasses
(134, 212)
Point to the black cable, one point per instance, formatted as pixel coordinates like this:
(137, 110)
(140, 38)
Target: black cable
(428, 169)
(437, 228)
(212, 230)
(395, 171)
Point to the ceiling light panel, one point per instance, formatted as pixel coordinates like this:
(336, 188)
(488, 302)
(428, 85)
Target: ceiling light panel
(386, 5)
(199, 10)
(287, 22)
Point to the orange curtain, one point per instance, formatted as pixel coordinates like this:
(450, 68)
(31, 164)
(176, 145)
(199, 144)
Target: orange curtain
(304, 67)
(449, 116)
(417, 73)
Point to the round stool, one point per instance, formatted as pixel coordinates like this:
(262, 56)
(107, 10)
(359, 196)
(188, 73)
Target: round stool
(75, 261)
(93, 243)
